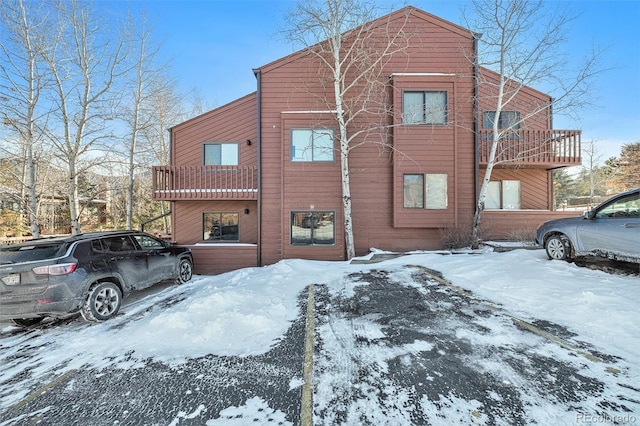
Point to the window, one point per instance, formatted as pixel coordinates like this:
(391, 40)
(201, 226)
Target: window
(312, 228)
(413, 191)
(424, 107)
(220, 227)
(148, 243)
(508, 120)
(425, 191)
(312, 145)
(627, 207)
(220, 154)
(121, 243)
(503, 195)
(493, 199)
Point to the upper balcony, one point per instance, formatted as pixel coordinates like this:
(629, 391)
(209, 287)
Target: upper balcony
(534, 148)
(171, 183)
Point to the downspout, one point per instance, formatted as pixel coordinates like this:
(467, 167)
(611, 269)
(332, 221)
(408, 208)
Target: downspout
(550, 190)
(172, 204)
(476, 125)
(257, 73)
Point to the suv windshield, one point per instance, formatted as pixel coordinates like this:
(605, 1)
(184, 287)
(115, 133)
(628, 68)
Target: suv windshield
(30, 253)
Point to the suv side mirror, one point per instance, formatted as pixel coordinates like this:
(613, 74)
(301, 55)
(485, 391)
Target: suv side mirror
(588, 214)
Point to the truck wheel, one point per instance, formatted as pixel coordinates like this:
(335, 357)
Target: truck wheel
(103, 302)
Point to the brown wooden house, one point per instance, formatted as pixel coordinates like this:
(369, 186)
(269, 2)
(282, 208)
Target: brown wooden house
(258, 180)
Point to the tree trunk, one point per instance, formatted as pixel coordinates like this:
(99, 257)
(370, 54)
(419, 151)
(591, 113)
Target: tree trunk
(33, 196)
(130, 187)
(346, 205)
(74, 203)
(482, 195)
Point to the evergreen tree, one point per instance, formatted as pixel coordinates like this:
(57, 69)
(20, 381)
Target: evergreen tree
(628, 167)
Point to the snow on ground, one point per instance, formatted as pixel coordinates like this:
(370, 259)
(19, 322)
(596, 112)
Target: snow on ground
(246, 312)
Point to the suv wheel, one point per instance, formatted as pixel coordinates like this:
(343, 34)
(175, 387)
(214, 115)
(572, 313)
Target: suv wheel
(103, 302)
(26, 322)
(185, 271)
(558, 247)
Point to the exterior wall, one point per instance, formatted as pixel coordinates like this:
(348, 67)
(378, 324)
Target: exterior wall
(218, 258)
(295, 94)
(291, 90)
(234, 122)
(231, 123)
(447, 149)
(188, 228)
(534, 186)
(308, 186)
(515, 224)
(527, 102)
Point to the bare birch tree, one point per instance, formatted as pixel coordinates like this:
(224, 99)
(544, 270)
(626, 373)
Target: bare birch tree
(22, 82)
(593, 157)
(139, 114)
(352, 52)
(85, 59)
(167, 110)
(521, 42)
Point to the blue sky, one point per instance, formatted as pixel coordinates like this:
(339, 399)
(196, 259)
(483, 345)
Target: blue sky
(213, 45)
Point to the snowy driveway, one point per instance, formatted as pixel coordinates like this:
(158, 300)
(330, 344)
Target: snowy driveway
(394, 343)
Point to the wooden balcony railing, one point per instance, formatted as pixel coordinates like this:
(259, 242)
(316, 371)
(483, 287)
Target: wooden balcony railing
(172, 183)
(537, 148)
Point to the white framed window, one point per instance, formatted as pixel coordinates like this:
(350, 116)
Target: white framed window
(220, 154)
(424, 107)
(425, 191)
(505, 194)
(309, 145)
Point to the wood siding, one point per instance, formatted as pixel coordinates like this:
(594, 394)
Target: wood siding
(188, 219)
(292, 89)
(231, 123)
(535, 144)
(515, 225)
(534, 186)
(217, 258)
(295, 93)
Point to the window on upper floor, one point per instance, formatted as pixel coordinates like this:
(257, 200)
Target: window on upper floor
(220, 154)
(313, 228)
(503, 194)
(220, 226)
(312, 144)
(424, 107)
(508, 120)
(425, 191)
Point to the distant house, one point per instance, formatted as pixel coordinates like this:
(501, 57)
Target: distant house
(258, 180)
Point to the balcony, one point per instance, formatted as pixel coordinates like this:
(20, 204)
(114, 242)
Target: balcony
(534, 148)
(171, 183)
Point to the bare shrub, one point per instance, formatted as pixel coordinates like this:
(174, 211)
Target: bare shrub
(456, 236)
(526, 236)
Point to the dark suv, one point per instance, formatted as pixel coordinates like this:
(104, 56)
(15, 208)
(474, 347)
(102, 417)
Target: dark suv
(90, 273)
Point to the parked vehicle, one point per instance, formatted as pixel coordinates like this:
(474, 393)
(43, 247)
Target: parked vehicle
(611, 230)
(90, 273)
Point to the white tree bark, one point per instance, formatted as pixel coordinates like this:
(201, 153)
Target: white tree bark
(85, 65)
(22, 84)
(521, 42)
(338, 34)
